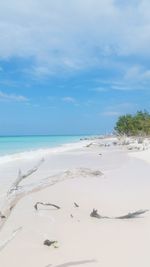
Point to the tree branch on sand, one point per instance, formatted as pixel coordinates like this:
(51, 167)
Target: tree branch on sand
(21, 177)
(130, 215)
(17, 191)
(95, 214)
(45, 204)
(73, 263)
(76, 205)
(13, 235)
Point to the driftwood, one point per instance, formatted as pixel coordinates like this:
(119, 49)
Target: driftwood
(45, 204)
(14, 194)
(49, 243)
(18, 191)
(73, 263)
(76, 205)
(95, 214)
(13, 235)
(130, 215)
(21, 177)
(2, 216)
(89, 145)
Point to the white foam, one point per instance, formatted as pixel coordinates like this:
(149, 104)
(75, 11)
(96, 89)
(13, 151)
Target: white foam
(32, 154)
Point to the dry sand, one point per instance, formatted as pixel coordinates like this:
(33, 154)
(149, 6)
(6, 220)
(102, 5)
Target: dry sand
(82, 240)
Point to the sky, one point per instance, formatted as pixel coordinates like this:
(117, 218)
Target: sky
(72, 66)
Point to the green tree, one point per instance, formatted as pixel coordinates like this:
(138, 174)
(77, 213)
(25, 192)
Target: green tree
(131, 125)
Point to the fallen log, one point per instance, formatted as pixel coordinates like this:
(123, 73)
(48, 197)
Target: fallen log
(18, 191)
(130, 215)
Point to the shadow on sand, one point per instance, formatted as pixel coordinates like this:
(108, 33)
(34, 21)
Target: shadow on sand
(73, 263)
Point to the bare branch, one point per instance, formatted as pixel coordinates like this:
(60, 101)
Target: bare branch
(95, 214)
(130, 215)
(21, 177)
(18, 192)
(45, 204)
(13, 235)
(76, 205)
(73, 263)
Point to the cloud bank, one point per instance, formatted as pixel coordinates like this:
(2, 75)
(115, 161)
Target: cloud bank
(74, 34)
(12, 97)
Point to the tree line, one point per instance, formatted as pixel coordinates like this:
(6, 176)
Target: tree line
(134, 125)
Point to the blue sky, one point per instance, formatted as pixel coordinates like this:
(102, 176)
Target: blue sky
(72, 66)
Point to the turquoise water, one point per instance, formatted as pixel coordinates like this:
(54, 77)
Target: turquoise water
(16, 144)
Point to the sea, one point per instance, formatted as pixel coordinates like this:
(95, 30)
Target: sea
(18, 144)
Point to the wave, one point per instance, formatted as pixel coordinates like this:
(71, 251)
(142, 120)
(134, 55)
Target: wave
(40, 153)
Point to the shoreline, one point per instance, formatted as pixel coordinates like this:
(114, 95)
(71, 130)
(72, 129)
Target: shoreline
(41, 151)
(20, 144)
(123, 187)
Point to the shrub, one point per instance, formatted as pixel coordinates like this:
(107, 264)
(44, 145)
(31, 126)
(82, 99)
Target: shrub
(133, 125)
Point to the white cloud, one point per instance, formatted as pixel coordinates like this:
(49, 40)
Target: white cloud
(133, 73)
(73, 34)
(69, 99)
(111, 113)
(12, 97)
(119, 109)
(136, 75)
(99, 89)
(126, 87)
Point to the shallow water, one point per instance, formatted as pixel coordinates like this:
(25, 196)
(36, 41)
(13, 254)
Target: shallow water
(16, 144)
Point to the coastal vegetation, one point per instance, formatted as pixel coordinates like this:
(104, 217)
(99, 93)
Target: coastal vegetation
(134, 125)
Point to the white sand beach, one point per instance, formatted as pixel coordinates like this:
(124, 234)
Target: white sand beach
(82, 240)
(74, 133)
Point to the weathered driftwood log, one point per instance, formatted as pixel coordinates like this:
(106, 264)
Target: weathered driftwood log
(130, 215)
(14, 194)
(45, 204)
(21, 177)
(18, 191)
